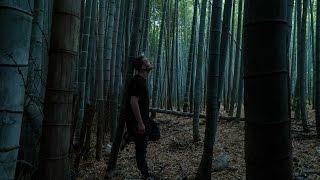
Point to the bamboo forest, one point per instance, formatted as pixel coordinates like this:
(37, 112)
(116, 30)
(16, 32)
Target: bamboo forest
(159, 89)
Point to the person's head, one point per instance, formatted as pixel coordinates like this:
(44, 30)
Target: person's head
(142, 65)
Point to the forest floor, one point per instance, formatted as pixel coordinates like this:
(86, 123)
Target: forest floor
(175, 156)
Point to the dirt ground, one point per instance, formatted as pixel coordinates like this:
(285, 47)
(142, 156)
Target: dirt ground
(175, 156)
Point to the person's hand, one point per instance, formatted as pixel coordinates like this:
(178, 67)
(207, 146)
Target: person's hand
(141, 128)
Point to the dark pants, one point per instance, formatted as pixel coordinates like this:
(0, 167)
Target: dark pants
(141, 151)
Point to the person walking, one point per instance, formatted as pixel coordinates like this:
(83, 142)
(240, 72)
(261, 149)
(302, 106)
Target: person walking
(138, 122)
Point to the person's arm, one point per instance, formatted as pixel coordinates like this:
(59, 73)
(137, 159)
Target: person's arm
(136, 111)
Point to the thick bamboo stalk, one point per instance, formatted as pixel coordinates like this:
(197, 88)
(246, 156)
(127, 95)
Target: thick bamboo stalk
(56, 129)
(268, 148)
(15, 18)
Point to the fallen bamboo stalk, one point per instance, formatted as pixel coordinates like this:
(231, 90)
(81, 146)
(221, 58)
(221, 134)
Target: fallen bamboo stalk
(188, 114)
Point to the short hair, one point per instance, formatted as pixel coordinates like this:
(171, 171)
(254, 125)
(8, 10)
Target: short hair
(138, 62)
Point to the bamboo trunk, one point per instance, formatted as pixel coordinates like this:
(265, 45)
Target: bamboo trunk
(83, 68)
(119, 55)
(172, 61)
(146, 27)
(302, 66)
(177, 56)
(107, 60)
(268, 148)
(155, 91)
(85, 137)
(317, 79)
(15, 18)
(114, 61)
(237, 65)
(186, 104)
(33, 115)
(289, 16)
(100, 77)
(56, 129)
(91, 55)
(299, 60)
(204, 170)
(224, 45)
(199, 80)
(231, 60)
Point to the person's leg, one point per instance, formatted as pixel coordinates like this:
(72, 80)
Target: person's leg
(141, 151)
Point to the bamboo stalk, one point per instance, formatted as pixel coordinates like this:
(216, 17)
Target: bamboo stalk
(15, 18)
(187, 114)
